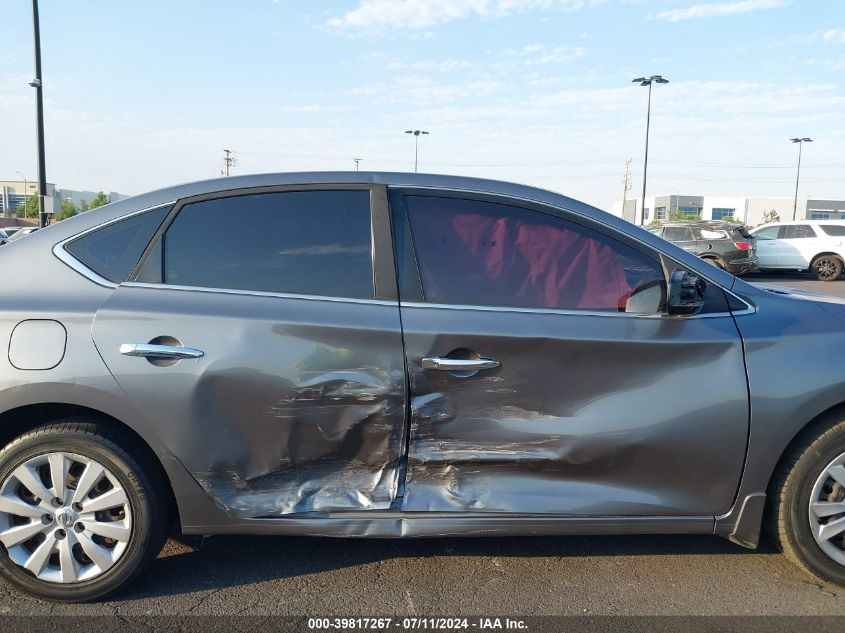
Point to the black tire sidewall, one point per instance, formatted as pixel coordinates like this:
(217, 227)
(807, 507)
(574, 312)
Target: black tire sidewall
(839, 268)
(797, 507)
(124, 468)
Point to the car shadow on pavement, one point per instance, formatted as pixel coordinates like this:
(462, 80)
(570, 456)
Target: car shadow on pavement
(231, 561)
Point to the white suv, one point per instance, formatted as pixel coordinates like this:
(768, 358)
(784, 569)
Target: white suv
(817, 245)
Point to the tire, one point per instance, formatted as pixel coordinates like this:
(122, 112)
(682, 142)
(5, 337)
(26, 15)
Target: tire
(827, 267)
(803, 478)
(139, 520)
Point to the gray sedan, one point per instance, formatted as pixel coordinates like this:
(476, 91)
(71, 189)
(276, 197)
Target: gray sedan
(398, 355)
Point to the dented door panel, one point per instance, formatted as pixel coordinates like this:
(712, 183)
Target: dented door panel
(298, 405)
(586, 415)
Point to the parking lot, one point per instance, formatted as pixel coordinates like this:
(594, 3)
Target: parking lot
(674, 575)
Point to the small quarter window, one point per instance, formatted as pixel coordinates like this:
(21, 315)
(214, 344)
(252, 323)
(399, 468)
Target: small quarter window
(113, 250)
(837, 230)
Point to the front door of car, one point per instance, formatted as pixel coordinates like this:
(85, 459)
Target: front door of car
(768, 246)
(262, 343)
(533, 390)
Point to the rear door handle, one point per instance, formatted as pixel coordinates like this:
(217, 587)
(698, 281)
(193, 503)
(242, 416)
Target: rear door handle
(146, 350)
(459, 364)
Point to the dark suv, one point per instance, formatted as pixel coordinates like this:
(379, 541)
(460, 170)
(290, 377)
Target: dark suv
(729, 246)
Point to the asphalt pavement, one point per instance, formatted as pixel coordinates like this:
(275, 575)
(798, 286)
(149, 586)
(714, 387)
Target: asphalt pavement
(643, 575)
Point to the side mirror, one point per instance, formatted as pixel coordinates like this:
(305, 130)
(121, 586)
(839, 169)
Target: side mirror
(686, 293)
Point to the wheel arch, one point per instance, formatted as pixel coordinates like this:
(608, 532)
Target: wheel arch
(838, 256)
(743, 524)
(21, 419)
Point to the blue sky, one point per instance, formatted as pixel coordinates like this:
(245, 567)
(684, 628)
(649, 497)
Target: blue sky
(142, 95)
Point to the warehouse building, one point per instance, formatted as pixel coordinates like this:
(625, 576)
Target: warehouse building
(746, 209)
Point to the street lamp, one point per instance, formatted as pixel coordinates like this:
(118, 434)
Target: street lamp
(800, 142)
(39, 120)
(25, 191)
(416, 134)
(647, 81)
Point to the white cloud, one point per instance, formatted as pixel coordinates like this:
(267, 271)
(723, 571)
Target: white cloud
(836, 36)
(714, 9)
(534, 54)
(420, 14)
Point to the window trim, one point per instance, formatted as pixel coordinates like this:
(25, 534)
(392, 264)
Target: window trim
(566, 214)
(381, 247)
(61, 252)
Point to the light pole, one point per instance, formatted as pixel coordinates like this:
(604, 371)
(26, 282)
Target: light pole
(357, 160)
(25, 192)
(39, 114)
(416, 134)
(643, 81)
(800, 142)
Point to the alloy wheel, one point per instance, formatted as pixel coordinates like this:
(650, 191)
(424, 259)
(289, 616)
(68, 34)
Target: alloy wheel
(827, 510)
(826, 268)
(64, 517)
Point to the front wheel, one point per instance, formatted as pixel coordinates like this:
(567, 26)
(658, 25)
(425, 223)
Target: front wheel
(807, 512)
(827, 267)
(79, 515)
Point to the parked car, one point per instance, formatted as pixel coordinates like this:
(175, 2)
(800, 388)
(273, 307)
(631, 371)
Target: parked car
(814, 245)
(7, 232)
(398, 355)
(17, 233)
(727, 246)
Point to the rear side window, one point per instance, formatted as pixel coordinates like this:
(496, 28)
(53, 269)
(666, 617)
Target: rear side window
(113, 250)
(709, 234)
(742, 232)
(677, 233)
(297, 242)
(796, 231)
(833, 229)
(472, 252)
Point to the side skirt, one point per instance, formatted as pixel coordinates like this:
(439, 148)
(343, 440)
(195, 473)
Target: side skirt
(379, 524)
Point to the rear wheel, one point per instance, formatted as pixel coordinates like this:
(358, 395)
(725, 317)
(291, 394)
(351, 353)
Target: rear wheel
(714, 262)
(807, 512)
(79, 516)
(827, 267)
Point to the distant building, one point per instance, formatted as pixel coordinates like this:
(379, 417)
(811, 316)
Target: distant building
(746, 209)
(13, 194)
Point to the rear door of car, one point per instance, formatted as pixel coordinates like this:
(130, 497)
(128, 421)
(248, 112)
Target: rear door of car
(681, 236)
(799, 244)
(268, 358)
(531, 392)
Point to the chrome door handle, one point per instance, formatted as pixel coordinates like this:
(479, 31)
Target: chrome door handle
(459, 364)
(146, 350)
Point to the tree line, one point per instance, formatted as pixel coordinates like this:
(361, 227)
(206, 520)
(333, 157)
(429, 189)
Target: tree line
(68, 209)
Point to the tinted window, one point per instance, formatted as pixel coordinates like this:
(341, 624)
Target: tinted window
(479, 253)
(833, 229)
(299, 242)
(796, 231)
(113, 250)
(677, 233)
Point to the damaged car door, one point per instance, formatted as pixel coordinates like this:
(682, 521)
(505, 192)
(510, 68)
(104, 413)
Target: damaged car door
(269, 359)
(545, 374)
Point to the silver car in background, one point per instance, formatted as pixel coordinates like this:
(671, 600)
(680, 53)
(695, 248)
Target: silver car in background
(398, 355)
